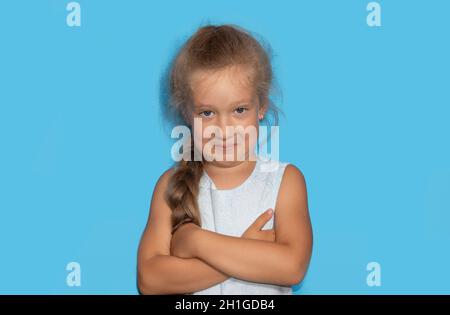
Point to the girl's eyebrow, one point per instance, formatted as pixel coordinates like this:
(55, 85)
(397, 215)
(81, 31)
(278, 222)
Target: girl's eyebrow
(245, 101)
(202, 108)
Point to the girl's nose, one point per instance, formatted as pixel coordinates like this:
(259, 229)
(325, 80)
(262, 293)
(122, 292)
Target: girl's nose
(227, 127)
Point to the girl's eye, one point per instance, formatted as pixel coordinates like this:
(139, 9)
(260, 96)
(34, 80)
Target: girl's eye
(206, 113)
(241, 110)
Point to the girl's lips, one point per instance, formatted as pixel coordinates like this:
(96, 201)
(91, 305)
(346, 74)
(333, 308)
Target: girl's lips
(225, 147)
(225, 143)
(228, 147)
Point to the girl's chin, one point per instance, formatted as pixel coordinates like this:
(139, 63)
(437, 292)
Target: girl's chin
(226, 163)
(227, 158)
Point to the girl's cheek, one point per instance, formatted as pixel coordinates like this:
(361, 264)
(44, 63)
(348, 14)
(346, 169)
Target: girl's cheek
(199, 140)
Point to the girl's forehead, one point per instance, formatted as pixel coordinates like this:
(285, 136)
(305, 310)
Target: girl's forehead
(236, 75)
(226, 86)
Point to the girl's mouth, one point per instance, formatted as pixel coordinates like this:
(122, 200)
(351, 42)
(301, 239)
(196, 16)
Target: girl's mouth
(226, 147)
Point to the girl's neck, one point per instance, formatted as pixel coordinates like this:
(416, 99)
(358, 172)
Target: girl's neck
(230, 175)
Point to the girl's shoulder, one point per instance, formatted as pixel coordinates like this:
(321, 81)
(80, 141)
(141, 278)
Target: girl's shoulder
(293, 178)
(267, 165)
(292, 192)
(287, 172)
(292, 172)
(163, 180)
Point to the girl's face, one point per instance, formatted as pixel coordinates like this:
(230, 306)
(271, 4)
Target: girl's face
(227, 106)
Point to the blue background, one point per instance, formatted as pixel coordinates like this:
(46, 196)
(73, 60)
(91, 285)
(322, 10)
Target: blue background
(83, 142)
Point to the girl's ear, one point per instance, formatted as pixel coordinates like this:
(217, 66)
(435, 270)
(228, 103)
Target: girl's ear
(262, 112)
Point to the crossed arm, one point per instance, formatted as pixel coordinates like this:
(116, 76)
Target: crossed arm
(247, 259)
(202, 258)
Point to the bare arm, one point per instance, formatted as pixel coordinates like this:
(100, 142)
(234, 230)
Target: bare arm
(246, 259)
(284, 262)
(165, 274)
(160, 273)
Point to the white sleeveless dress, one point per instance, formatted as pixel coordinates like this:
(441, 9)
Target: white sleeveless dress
(232, 211)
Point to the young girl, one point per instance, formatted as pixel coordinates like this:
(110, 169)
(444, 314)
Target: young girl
(224, 226)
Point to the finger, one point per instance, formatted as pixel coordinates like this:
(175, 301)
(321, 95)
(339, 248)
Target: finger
(268, 230)
(268, 235)
(262, 219)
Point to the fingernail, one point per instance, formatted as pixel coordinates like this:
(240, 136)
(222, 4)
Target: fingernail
(270, 211)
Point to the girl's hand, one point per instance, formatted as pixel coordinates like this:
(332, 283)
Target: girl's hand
(254, 230)
(182, 241)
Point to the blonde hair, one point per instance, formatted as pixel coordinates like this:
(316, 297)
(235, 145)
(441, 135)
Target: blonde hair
(209, 48)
